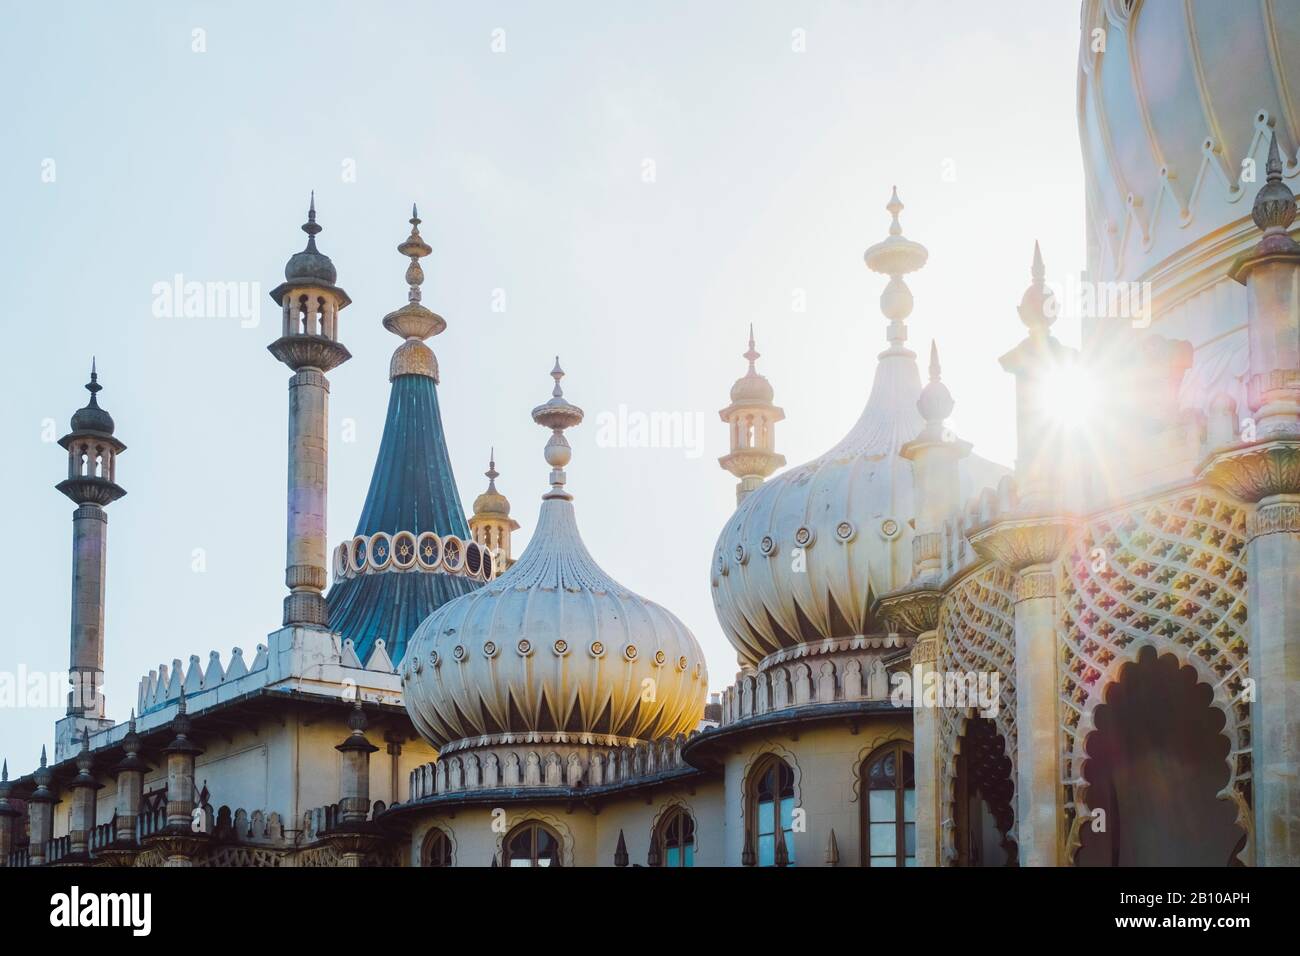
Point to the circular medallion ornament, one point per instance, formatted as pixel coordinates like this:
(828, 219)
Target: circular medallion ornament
(381, 551)
(768, 545)
(597, 649)
(681, 663)
(803, 537)
(561, 647)
(416, 665)
(360, 549)
(404, 550)
(630, 652)
(341, 561)
(844, 531)
(453, 554)
(660, 657)
(473, 558)
(458, 652)
(741, 556)
(428, 551)
(889, 528)
(434, 659)
(524, 647)
(490, 649)
(721, 564)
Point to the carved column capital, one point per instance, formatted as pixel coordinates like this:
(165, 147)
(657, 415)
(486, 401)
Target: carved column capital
(1253, 472)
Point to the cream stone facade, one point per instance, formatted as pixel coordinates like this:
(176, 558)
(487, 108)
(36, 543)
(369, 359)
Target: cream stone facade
(1090, 658)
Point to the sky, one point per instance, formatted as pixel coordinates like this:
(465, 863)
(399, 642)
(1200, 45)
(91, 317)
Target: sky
(628, 186)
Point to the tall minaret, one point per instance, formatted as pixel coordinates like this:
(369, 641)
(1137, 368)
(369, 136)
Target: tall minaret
(491, 523)
(92, 485)
(310, 304)
(752, 418)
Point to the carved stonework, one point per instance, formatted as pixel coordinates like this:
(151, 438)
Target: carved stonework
(977, 634)
(912, 610)
(1020, 543)
(1276, 517)
(1256, 471)
(925, 652)
(1170, 574)
(1035, 584)
(309, 352)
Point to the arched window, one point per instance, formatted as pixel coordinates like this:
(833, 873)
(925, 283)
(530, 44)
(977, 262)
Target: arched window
(531, 844)
(674, 838)
(437, 849)
(771, 812)
(889, 807)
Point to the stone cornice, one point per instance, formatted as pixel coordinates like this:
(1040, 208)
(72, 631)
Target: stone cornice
(1256, 471)
(1021, 542)
(913, 610)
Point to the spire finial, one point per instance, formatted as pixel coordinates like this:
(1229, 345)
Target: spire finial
(557, 415)
(1274, 209)
(93, 385)
(894, 207)
(311, 227)
(935, 371)
(43, 760)
(130, 727)
(492, 474)
(1038, 305)
(4, 771)
(752, 355)
(415, 248)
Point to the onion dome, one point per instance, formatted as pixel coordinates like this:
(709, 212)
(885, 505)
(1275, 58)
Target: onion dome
(92, 418)
(752, 387)
(310, 265)
(412, 550)
(1176, 106)
(554, 646)
(492, 502)
(807, 553)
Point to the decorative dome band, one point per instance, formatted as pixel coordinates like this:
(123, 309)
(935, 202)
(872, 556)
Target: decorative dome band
(406, 551)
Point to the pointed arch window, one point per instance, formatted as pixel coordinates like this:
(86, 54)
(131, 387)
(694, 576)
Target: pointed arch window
(771, 814)
(436, 851)
(531, 844)
(888, 787)
(674, 838)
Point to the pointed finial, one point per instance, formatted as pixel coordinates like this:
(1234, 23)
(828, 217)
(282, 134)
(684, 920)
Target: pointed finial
(1274, 209)
(1038, 305)
(130, 727)
(180, 703)
(492, 474)
(934, 361)
(310, 226)
(752, 355)
(93, 385)
(42, 755)
(415, 248)
(4, 771)
(85, 740)
(557, 415)
(894, 207)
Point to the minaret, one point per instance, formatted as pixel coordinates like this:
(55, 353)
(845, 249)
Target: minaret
(92, 485)
(491, 523)
(752, 419)
(310, 304)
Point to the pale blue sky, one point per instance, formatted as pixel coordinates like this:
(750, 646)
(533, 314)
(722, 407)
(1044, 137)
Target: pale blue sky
(772, 168)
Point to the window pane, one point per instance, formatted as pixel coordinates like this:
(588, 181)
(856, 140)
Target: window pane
(517, 861)
(673, 857)
(884, 839)
(766, 851)
(910, 861)
(690, 855)
(766, 818)
(787, 813)
(881, 806)
(909, 835)
(909, 805)
(884, 861)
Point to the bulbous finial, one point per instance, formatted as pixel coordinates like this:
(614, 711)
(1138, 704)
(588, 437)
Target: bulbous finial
(752, 355)
(311, 227)
(357, 721)
(492, 474)
(1274, 209)
(310, 265)
(557, 415)
(1038, 305)
(416, 249)
(92, 418)
(895, 257)
(935, 403)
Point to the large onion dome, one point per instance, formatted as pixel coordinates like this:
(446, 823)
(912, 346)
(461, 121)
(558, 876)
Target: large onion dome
(807, 553)
(554, 646)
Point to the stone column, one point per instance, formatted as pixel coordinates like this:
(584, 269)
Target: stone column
(179, 841)
(81, 823)
(40, 808)
(1265, 469)
(305, 573)
(354, 837)
(89, 559)
(926, 756)
(9, 816)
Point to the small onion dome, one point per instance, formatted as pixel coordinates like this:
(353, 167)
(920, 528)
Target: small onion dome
(751, 387)
(492, 502)
(554, 645)
(92, 418)
(935, 403)
(310, 265)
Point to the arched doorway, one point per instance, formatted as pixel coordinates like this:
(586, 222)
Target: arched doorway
(1155, 764)
(983, 791)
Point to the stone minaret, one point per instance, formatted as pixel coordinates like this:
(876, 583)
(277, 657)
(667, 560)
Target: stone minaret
(752, 419)
(310, 303)
(92, 485)
(491, 524)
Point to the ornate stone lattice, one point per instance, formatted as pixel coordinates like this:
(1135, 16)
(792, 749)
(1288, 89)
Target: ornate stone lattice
(1169, 574)
(977, 631)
